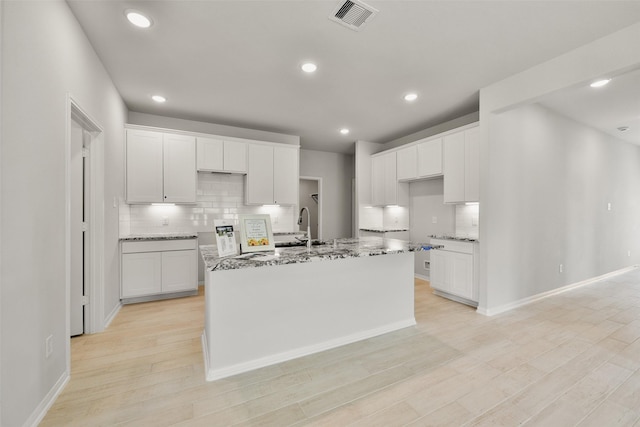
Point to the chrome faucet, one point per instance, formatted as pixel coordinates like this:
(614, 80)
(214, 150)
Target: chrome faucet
(308, 225)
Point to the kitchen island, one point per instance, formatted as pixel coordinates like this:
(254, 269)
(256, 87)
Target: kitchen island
(269, 307)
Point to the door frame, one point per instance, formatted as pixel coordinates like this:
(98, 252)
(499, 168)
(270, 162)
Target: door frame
(320, 199)
(94, 289)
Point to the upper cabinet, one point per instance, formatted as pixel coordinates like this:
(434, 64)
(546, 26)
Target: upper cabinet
(217, 155)
(272, 174)
(385, 188)
(422, 159)
(461, 166)
(160, 167)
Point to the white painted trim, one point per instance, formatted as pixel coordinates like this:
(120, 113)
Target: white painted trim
(216, 374)
(320, 198)
(41, 410)
(534, 298)
(112, 316)
(94, 321)
(421, 277)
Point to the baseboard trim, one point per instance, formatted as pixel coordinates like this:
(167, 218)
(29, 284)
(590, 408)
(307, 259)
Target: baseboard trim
(525, 301)
(39, 413)
(421, 277)
(112, 315)
(216, 374)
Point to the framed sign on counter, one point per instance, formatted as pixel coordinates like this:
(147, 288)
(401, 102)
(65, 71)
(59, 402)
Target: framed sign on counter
(225, 238)
(255, 233)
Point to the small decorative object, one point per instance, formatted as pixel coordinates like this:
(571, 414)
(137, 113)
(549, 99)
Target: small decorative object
(225, 238)
(255, 233)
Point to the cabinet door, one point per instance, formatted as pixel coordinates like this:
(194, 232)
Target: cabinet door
(407, 165)
(141, 274)
(259, 188)
(210, 154)
(429, 155)
(179, 271)
(390, 180)
(377, 180)
(461, 270)
(235, 156)
(180, 175)
(438, 270)
(285, 176)
(453, 167)
(472, 165)
(144, 166)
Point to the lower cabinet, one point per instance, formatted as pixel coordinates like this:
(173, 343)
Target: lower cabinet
(453, 272)
(156, 268)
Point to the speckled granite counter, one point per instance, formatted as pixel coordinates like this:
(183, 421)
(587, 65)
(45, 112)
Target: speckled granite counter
(333, 249)
(384, 230)
(159, 236)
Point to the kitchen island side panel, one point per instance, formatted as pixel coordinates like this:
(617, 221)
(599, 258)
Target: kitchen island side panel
(256, 317)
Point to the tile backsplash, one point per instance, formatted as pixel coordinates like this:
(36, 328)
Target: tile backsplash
(467, 220)
(219, 196)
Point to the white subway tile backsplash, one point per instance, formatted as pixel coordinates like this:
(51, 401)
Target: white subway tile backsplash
(467, 221)
(219, 196)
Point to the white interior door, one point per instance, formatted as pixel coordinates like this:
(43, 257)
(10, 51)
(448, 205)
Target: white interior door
(77, 233)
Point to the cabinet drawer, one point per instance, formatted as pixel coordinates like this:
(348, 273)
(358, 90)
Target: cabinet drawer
(159, 245)
(454, 246)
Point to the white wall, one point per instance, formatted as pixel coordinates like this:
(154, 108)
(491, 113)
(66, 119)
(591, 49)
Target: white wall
(45, 55)
(556, 177)
(337, 172)
(211, 128)
(501, 283)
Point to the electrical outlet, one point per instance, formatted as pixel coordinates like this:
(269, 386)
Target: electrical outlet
(165, 220)
(275, 219)
(608, 206)
(48, 346)
(427, 265)
(434, 219)
(628, 253)
(561, 268)
(395, 219)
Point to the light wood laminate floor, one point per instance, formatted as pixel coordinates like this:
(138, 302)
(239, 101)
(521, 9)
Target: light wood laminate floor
(572, 359)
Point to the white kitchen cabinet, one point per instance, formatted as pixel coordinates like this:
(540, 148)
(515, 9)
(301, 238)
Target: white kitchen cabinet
(454, 168)
(150, 269)
(160, 167)
(429, 158)
(461, 166)
(285, 175)
(422, 159)
(385, 188)
(218, 155)
(272, 174)
(472, 165)
(144, 167)
(453, 270)
(180, 177)
(407, 163)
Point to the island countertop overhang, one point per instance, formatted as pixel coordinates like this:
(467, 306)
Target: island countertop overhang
(333, 249)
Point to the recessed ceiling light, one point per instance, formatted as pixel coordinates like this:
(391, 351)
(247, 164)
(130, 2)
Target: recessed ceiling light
(159, 98)
(600, 83)
(309, 67)
(411, 97)
(138, 19)
(344, 131)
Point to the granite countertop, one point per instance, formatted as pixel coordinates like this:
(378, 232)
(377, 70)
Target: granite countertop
(384, 230)
(287, 233)
(334, 249)
(457, 238)
(159, 236)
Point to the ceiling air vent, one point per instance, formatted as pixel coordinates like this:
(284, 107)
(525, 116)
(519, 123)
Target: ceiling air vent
(353, 14)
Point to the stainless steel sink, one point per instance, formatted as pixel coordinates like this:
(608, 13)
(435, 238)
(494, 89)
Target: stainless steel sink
(299, 243)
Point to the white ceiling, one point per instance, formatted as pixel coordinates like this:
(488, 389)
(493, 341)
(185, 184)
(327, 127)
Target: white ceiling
(237, 62)
(606, 108)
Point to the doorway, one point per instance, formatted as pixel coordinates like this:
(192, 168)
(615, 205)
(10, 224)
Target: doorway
(85, 222)
(310, 195)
